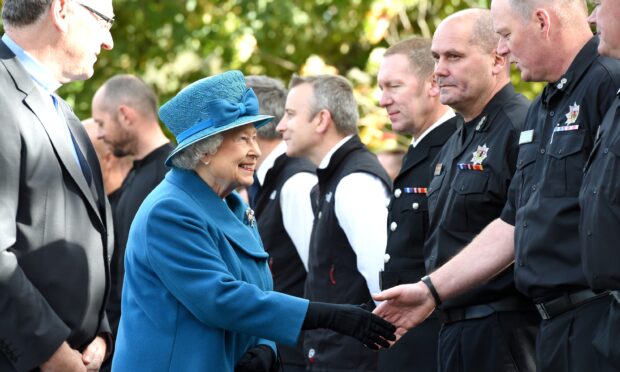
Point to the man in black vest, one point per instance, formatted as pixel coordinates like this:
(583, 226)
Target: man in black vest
(411, 98)
(348, 235)
(280, 197)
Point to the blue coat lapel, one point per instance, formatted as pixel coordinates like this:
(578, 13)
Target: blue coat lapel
(229, 215)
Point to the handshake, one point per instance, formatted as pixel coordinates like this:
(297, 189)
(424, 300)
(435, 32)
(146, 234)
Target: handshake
(352, 320)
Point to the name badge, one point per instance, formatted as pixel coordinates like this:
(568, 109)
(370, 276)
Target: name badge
(526, 136)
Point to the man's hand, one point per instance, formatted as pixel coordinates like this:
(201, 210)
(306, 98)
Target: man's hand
(94, 353)
(405, 306)
(65, 359)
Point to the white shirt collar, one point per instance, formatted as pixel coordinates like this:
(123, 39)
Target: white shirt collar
(267, 164)
(328, 157)
(445, 117)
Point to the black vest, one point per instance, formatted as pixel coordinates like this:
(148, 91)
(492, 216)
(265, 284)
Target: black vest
(286, 267)
(407, 222)
(332, 265)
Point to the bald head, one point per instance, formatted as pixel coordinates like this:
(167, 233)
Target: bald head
(567, 11)
(478, 26)
(468, 69)
(129, 90)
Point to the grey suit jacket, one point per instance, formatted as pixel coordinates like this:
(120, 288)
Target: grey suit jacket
(55, 228)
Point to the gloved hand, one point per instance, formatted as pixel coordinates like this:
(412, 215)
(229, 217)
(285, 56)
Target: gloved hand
(368, 306)
(260, 358)
(350, 320)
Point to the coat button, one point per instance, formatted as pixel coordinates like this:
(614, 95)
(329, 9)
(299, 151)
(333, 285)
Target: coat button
(320, 215)
(386, 258)
(393, 226)
(415, 206)
(398, 193)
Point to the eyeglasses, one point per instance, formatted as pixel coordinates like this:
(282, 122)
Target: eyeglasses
(105, 21)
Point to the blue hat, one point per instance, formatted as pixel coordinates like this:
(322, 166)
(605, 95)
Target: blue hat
(209, 106)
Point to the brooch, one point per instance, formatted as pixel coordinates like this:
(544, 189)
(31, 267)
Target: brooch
(249, 216)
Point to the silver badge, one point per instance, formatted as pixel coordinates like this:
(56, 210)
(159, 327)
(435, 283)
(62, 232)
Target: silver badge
(249, 216)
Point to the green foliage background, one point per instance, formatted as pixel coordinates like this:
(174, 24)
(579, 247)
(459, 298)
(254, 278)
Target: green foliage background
(171, 43)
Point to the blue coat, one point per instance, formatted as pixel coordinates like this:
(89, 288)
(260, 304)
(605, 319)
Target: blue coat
(197, 290)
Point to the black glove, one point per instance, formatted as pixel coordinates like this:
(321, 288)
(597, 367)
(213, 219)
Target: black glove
(352, 321)
(368, 306)
(260, 358)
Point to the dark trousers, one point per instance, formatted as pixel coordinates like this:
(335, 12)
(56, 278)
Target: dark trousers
(502, 341)
(415, 351)
(292, 357)
(581, 339)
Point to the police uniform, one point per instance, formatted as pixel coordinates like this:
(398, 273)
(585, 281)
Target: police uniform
(404, 257)
(543, 206)
(599, 200)
(287, 269)
(333, 275)
(492, 327)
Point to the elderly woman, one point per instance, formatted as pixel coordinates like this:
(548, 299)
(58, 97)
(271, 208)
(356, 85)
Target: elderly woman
(197, 293)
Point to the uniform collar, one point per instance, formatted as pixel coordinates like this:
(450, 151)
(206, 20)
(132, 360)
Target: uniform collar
(481, 122)
(39, 73)
(449, 114)
(578, 67)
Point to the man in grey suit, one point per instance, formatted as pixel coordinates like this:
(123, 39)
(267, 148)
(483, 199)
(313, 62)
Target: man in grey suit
(55, 222)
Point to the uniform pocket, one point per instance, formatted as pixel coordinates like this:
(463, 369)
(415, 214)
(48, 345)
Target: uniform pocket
(564, 166)
(469, 203)
(525, 171)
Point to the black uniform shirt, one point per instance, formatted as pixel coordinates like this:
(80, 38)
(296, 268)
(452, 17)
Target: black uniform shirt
(470, 185)
(543, 199)
(600, 205)
(408, 211)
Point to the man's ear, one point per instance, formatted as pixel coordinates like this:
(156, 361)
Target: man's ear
(433, 87)
(500, 62)
(126, 114)
(323, 121)
(543, 21)
(59, 14)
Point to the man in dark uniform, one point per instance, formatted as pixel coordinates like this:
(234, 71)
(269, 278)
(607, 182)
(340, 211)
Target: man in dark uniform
(411, 99)
(492, 327)
(125, 110)
(599, 199)
(538, 228)
(281, 199)
(349, 202)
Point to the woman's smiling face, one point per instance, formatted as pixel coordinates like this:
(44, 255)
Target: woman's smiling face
(234, 163)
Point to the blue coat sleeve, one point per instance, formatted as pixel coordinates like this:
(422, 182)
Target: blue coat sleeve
(194, 262)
